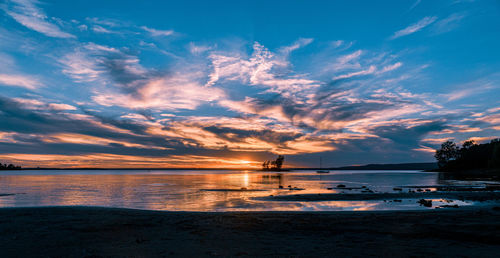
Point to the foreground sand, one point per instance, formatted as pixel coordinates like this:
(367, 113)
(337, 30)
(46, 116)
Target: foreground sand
(95, 232)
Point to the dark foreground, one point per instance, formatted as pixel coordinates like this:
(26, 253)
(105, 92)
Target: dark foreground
(96, 232)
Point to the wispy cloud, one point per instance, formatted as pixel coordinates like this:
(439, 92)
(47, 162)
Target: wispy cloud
(28, 14)
(257, 70)
(170, 92)
(470, 89)
(20, 81)
(80, 67)
(59, 106)
(415, 4)
(100, 29)
(198, 49)
(370, 70)
(302, 42)
(389, 68)
(449, 23)
(424, 22)
(158, 33)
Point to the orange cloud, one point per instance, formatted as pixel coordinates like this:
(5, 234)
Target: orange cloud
(92, 140)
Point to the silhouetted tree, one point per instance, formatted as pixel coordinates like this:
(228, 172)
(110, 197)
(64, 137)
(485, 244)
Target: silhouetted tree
(274, 165)
(279, 162)
(265, 165)
(449, 151)
(468, 144)
(494, 162)
(470, 156)
(9, 167)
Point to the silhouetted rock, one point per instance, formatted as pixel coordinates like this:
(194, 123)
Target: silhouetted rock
(426, 203)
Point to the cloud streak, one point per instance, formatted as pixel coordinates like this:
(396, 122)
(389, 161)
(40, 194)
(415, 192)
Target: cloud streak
(20, 81)
(158, 33)
(424, 22)
(29, 15)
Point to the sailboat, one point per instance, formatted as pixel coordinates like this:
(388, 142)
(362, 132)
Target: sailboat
(320, 166)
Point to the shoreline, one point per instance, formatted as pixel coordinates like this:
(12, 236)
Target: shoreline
(78, 231)
(459, 195)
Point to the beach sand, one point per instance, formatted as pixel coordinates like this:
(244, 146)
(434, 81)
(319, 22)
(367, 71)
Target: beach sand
(108, 232)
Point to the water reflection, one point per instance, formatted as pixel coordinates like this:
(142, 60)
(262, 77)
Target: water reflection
(183, 190)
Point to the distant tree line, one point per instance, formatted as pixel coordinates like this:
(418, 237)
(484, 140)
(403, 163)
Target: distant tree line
(273, 165)
(9, 167)
(470, 156)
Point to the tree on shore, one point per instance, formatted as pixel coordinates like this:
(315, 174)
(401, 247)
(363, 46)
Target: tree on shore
(471, 155)
(273, 165)
(9, 167)
(449, 151)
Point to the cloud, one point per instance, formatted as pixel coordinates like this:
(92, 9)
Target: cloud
(483, 139)
(370, 70)
(28, 14)
(389, 68)
(258, 70)
(224, 102)
(424, 22)
(415, 4)
(449, 23)
(472, 88)
(242, 135)
(93, 140)
(80, 67)
(20, 81)
(58, 106)
(350, 57)
(158, 33)
(83, 27)
(91, 62)
(302, 42)
(53, 130)
(100, 29)
(337, 43)
(198, 49)
(169, 92)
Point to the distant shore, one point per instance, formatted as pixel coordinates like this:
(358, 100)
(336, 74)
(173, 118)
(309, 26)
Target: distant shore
(397, 166)
(108, 232)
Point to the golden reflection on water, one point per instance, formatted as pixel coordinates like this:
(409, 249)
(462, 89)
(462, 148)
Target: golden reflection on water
(191, 190)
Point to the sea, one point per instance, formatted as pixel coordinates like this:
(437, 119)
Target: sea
(215, 190)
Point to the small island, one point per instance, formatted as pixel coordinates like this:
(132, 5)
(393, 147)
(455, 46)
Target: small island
(274, 165)
(9, 167)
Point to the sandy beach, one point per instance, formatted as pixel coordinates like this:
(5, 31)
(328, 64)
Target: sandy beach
(108, 232)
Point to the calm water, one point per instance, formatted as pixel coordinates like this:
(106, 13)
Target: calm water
(202, 190)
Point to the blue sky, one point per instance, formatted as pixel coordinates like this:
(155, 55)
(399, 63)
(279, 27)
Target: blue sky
(232, 83)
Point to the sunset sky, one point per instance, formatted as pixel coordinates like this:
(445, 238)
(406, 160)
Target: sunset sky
(233, 83)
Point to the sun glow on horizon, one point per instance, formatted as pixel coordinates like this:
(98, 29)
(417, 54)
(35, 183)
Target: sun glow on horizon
(103, 160)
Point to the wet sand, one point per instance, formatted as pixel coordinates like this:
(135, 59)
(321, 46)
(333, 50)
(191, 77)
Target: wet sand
(107, 232)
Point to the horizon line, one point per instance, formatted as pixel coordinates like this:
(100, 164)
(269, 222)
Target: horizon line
(205, 168)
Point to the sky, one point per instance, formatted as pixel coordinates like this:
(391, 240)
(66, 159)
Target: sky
(221, 84)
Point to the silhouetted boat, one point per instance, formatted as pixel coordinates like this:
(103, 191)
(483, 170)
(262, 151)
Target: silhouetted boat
(322, 171)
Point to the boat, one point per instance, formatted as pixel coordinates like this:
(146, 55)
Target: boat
(321, 171)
